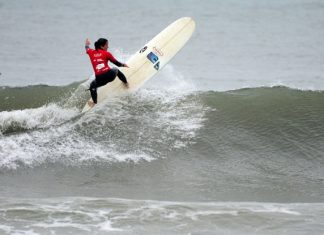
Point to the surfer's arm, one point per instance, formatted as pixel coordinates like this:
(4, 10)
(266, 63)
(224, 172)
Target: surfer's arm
(87, 44)
(114, 61)
(119, 64)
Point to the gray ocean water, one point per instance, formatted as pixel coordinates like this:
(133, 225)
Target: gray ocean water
(226, 139)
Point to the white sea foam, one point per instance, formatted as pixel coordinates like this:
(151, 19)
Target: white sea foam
(273, 208)
(91, 215)
(107, 226)
(70, 144)
(171, 80)
(43, 117)
(24, 232)
(6, 229)
(59, 145)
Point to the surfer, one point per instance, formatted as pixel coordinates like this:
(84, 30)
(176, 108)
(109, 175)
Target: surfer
(99, 58)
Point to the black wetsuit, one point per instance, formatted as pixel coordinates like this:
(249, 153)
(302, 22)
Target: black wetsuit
(104, 74)
(105, 78)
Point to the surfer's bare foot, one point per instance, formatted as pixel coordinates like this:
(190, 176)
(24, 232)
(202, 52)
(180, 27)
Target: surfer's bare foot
(91, 103)
(126, 85)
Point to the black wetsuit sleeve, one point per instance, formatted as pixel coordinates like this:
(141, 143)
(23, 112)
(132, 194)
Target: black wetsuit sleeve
(117, 63)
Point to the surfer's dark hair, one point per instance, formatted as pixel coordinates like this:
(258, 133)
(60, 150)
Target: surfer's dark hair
(100, 43)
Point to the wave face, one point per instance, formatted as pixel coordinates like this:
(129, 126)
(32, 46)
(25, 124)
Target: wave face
(275, 120)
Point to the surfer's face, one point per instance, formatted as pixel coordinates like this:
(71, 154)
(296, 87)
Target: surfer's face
(105, 47)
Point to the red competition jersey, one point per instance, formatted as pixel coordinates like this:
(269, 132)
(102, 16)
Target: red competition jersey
(99, 60)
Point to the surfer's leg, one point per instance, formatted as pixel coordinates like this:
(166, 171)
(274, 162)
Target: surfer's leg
(101, 80)
(93, 91)
(121, 76)
(105, 78)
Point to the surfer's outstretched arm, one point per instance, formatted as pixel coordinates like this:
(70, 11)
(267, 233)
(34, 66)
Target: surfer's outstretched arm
(119, 64)
(87, 44)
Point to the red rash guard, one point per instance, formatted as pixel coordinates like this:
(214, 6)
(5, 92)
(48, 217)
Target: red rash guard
(99, 60)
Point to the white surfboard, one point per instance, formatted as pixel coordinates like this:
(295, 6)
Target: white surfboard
(150, 59)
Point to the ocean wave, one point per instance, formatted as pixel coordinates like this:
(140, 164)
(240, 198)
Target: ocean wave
(136, 127)
(152, 122)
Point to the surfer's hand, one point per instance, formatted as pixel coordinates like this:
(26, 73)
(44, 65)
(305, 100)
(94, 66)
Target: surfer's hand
(87, 42)
(125, 65)
(126, 85)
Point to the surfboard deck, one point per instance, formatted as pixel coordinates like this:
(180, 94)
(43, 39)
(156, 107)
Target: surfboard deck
(150, 59)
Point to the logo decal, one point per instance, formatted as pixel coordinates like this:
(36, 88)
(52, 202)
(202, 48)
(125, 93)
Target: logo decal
(154, 59)
(158, 51)
(143, 49)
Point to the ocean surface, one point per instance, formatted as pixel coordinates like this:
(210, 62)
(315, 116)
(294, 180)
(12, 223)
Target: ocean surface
(227, 139)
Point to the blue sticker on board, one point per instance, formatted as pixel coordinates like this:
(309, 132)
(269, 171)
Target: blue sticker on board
(152, 57)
